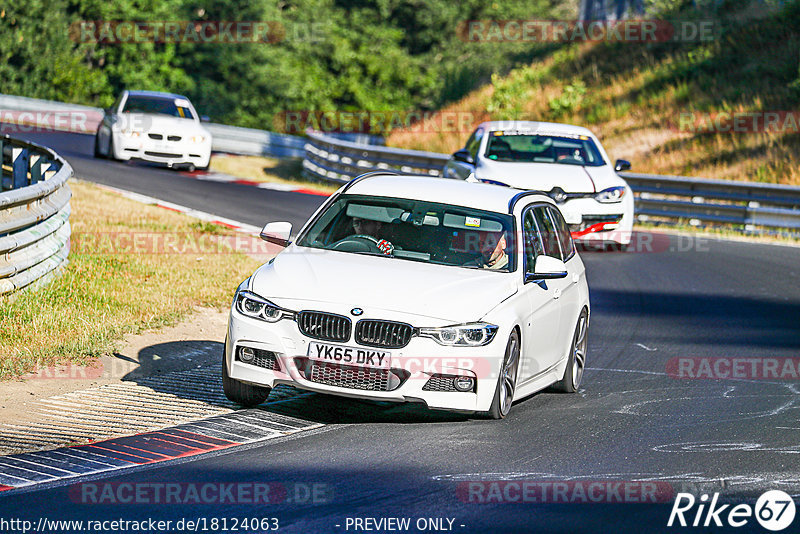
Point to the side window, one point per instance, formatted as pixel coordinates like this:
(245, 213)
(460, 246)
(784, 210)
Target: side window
(533, 245)
(548, 231)
(564, 235)
(474, 143)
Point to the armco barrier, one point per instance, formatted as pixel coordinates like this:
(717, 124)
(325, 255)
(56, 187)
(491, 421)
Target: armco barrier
(34, 214)
(330, 159)
(746, 206)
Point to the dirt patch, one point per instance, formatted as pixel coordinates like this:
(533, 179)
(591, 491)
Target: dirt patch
(194, 342)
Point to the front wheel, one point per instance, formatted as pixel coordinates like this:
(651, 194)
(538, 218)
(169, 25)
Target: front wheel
(244, 394)
(507, 381)
(573, 375)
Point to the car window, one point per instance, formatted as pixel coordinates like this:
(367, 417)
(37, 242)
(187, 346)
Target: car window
(548, 232)
(415, 230)
(564, 235)
(543, 148)
(532, 241)
(174, 107)
(474, 143)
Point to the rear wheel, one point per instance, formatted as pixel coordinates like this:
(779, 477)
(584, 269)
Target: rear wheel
(110, 154)
(97, 153)
(573, 375)
(244, 394)
(507, 381)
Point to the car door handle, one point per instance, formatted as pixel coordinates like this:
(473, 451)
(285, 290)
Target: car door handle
(575, 278)
(557, 293)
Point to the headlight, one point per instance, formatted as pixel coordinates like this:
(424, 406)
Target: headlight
(198, 139)
(462, 335)
(610, 195)
(252, 305)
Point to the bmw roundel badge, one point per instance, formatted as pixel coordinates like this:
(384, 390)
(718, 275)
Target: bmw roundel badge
(356, 311)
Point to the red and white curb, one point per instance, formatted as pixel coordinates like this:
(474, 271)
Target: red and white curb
(191, 212)
(213, 176)
(189, 439)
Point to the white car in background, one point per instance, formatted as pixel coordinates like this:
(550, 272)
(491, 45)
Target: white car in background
(457, 295)
(566, 162)
(156, 127)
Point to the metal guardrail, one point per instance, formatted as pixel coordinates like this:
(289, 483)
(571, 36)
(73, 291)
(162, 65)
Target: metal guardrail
(747, 206)
(34, 214)
(330, 159)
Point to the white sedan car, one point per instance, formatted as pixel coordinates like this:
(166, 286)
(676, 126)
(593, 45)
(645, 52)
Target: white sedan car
(156, 127)
(457, 295)
(567, 162)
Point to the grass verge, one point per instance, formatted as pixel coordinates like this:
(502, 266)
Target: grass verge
(107, 290)
(263, 169)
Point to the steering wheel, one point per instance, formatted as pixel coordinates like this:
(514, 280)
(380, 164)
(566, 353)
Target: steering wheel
(358, 243)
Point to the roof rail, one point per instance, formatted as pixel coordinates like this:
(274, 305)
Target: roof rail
(522, 194)
(366, 175)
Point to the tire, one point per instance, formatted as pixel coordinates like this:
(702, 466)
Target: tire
(97, 153)
(507, 381)
(573, 374)
(243, 394)
(110, 154)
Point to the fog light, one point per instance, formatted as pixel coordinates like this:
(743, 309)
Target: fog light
(464, 383)
(246, 354)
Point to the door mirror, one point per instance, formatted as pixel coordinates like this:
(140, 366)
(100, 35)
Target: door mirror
(277, 233)
(547, 268)
(463, 156)
(622, 165)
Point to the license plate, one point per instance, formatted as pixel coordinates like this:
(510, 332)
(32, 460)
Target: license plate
(338, 354)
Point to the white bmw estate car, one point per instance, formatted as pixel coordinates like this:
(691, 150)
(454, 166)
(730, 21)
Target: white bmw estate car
(567, 162)
(457, 295)
(157, 127)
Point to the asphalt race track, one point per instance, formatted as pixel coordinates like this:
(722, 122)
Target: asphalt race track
(633, 422)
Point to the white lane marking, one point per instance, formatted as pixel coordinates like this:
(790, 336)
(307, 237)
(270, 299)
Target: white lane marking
(197, 214)
(645, 347)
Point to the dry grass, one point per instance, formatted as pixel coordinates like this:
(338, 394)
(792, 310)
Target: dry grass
(263, 169)
(106, 292)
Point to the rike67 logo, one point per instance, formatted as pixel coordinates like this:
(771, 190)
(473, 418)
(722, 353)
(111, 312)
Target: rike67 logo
(774, 510)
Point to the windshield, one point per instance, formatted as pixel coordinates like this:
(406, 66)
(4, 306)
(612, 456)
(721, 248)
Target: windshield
(538, 148)
(415, 230)
(174, 107)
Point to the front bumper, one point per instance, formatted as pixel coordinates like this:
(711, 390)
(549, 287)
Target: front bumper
(163, 151)
(284, 361)
(595, 222)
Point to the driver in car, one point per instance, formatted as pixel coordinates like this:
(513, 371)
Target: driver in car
(370, 229)
(492, 247)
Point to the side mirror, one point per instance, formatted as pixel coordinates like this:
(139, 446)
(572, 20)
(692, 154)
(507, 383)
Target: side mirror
(204, 118)
(463, 156)
(622, 165)
(277, 233)
(547, 268)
